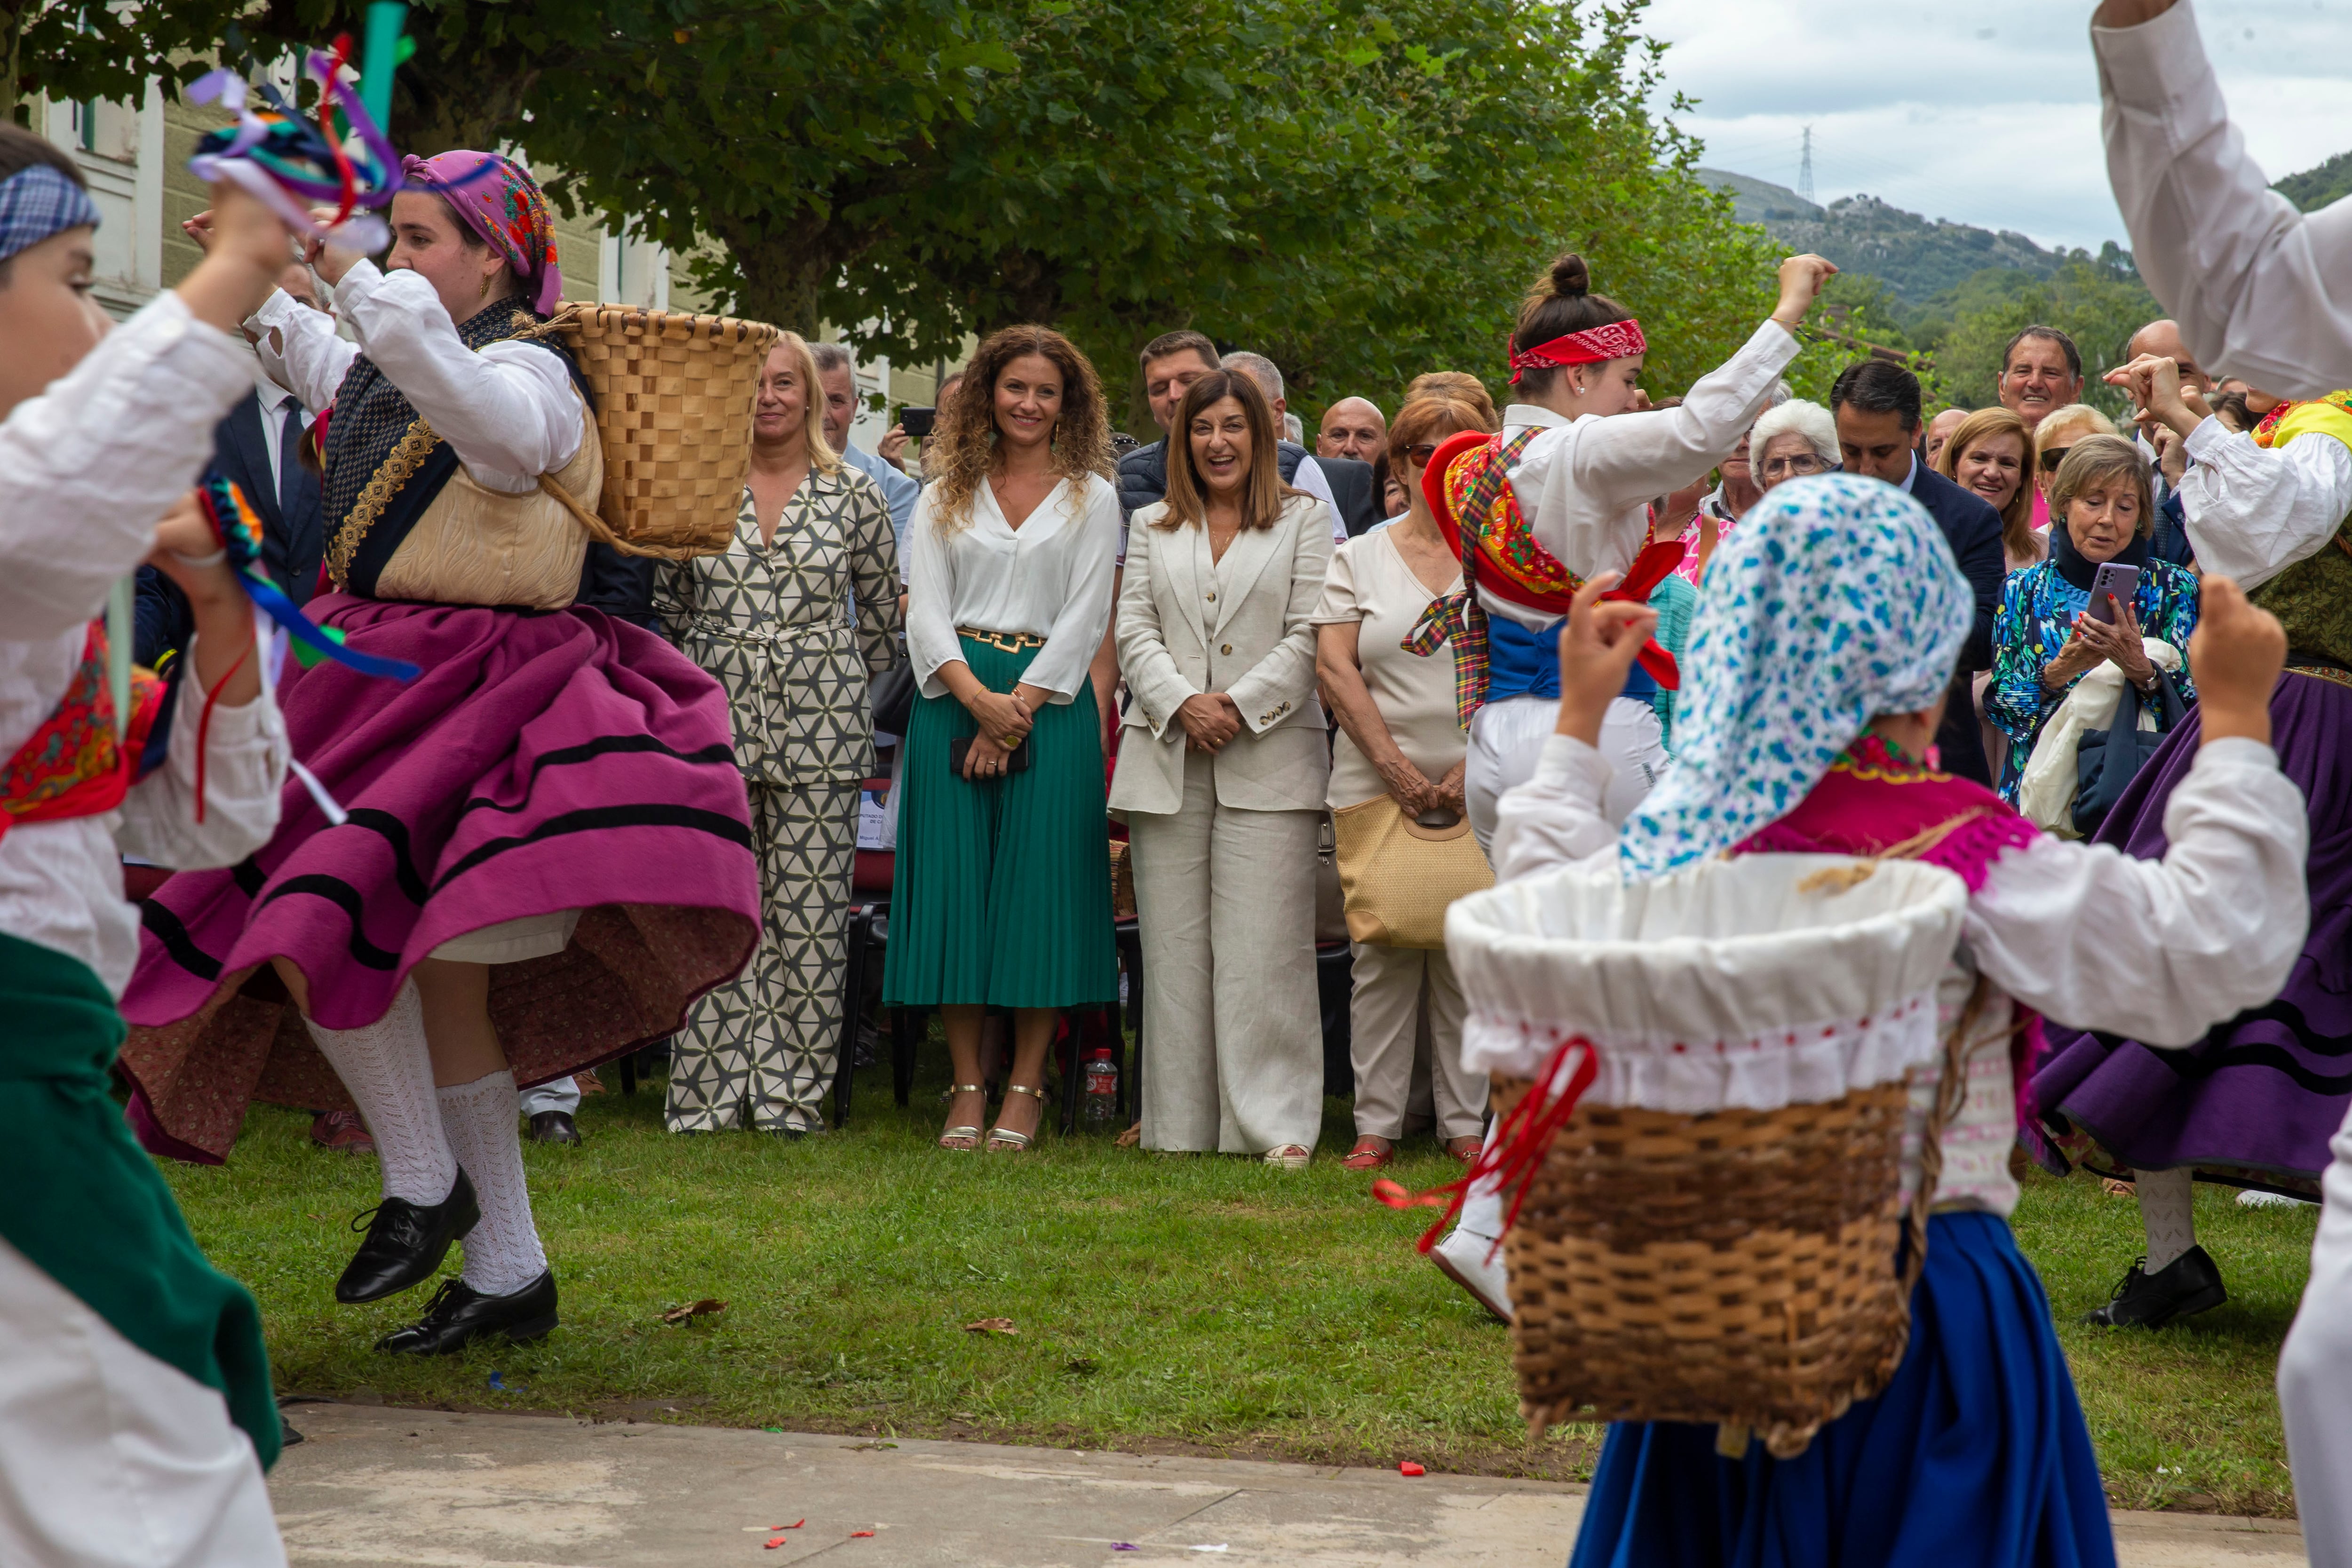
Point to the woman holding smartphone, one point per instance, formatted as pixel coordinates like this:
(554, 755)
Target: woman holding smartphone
(1004, 890)
(2049, 634)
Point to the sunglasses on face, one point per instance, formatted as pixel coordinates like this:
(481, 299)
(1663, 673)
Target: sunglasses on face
(2053, 457)
(1419, 454)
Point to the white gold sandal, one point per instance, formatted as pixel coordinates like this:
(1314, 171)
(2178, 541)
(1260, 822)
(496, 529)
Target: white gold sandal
(1013, 1142)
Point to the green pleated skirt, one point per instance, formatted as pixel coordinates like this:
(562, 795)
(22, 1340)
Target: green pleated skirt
(1001, 890)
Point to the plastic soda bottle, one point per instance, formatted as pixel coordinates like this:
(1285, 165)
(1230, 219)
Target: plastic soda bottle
(1100, 1108)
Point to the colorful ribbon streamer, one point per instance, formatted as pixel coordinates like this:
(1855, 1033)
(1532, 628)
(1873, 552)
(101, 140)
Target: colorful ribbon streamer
(239, 532)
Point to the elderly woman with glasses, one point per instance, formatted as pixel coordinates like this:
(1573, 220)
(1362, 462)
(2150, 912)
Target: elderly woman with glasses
(1794, 441)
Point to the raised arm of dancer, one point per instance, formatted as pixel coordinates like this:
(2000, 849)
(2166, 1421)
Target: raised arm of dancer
(2260, 290)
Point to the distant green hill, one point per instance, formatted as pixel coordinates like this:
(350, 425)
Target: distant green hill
(2315, 188)
(1916, 257)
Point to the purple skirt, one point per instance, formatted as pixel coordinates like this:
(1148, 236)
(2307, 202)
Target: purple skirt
(2256, 1101)
(542, 761)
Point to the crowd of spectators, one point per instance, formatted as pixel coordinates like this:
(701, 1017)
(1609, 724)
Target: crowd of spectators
(1205, 640)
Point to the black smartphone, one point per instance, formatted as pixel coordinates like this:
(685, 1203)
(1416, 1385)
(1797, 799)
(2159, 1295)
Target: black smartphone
(918, 422)
(1017, 762)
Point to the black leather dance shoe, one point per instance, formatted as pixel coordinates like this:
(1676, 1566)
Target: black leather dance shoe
(405, 1243)
(2188, 1285)
(458, 1314)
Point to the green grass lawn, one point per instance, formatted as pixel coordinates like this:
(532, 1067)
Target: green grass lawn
(1185, 1303)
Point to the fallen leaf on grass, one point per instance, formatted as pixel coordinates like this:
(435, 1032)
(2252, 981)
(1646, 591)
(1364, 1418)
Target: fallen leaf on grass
(1082, 1366)
(992, 1326)
(701, 1309)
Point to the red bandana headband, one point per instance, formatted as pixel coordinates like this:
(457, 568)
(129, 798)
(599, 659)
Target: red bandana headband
(1611, 340)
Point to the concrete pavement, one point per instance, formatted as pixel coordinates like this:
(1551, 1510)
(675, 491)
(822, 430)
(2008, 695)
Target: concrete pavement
(382, 1486)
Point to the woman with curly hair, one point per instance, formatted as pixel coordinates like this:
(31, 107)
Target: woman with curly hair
(1003, 888)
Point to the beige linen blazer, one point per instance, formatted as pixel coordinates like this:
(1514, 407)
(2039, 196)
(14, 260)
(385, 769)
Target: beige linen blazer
(1244, 626)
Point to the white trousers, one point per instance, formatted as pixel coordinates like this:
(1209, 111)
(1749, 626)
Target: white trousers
(2315, 1372)
(1396, 989)
(1233, 1027)
(1506, 737)
(109, 1456)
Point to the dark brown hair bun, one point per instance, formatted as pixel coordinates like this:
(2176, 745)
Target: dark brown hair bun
(1571, 278)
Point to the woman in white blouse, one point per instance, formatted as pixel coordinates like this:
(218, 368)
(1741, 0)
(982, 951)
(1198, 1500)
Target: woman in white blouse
(1222, 771)
(1003, 894)
(1401, 738)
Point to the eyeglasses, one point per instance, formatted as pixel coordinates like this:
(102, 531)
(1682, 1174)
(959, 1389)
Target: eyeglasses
(1420, 453)
(2053, 457)
(1797, 465)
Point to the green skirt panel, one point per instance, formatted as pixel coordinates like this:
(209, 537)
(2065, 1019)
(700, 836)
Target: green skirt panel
(1002, 892)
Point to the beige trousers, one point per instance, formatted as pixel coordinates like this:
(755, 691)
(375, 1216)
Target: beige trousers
(1394, 987)
(1233, 1034)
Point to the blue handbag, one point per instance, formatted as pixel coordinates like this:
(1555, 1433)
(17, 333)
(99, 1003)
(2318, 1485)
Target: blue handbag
(2105, 762)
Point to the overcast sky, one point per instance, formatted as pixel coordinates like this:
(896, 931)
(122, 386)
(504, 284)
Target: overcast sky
(1986, 112)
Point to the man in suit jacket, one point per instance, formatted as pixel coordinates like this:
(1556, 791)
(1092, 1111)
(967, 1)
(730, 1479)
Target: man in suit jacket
(1877, 407)
(257, 447)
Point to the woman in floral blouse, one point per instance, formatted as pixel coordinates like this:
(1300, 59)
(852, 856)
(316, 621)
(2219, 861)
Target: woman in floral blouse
(2042, 642)
(771, 619)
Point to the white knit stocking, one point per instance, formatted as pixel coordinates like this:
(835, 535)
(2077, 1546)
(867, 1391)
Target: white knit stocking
(390, 1074)
(503, 1253)
(2167, 1209)
(1482, 1210)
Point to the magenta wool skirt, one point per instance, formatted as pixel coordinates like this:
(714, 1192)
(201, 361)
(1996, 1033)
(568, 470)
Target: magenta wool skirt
(542, 761)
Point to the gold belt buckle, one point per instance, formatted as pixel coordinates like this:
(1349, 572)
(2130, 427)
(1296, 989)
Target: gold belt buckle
(1003, 642)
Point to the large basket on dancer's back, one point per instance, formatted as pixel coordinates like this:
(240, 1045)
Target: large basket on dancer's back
(673, 400)
(1716, 1231)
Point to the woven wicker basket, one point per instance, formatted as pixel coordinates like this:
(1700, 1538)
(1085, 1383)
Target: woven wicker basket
(1716, 1233)
(673, 400)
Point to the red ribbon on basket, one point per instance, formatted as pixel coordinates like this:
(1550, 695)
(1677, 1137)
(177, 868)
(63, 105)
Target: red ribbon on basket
(1518, 1151)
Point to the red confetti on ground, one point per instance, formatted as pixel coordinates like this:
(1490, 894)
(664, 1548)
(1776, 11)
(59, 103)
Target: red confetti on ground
(1409, 1469)
(779, 1540)
(795, 1525)
(856, 1534)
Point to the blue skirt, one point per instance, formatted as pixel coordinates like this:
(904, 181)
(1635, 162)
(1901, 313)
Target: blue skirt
(1975, 1457)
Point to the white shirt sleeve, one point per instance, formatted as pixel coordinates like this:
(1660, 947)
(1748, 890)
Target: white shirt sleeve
(2260, 289)
(93, 462)
(244, 769)
(931, 638)
(2253, 512)
(310, 358)
(1311, 478)
(2160, 950)
(510, 412)
(1060, 666)
(1558, 817)
(1582, 486)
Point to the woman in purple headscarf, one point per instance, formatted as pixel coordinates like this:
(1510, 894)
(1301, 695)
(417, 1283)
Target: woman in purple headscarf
(533, 856)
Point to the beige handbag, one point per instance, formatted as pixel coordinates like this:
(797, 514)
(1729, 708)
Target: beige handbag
(1398, 875)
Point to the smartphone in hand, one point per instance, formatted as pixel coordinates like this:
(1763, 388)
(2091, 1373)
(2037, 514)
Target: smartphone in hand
(2114, 578)
(917, 423)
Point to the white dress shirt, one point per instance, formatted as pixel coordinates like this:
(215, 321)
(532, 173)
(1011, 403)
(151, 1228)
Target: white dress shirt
(275, 401)
(2260, 290)
(1051, 578)
(2159, 951)
(1585, 486)
(509, 412)
(2253, 512)
(1311, 478)
(92, 463)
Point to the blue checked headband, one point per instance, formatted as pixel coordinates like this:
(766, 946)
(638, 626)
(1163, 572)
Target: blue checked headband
(38, 202)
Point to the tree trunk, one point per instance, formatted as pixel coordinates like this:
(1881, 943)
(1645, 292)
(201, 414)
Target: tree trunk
(784, 277)
(12, 43)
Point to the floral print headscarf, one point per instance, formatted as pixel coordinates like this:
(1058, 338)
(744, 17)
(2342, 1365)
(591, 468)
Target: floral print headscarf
(497, 200)
(1837, 600)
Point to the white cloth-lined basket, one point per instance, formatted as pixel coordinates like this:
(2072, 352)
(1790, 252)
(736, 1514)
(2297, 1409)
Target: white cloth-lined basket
(1751, 983)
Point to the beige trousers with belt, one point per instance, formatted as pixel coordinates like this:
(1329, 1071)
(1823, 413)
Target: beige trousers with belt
(1233, 1035)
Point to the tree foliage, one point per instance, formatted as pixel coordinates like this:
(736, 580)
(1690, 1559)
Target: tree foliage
(2098, 303)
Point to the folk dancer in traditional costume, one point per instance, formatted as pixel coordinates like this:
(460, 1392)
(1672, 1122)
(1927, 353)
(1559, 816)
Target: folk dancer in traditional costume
(1563, 492)
(136, 1411)
(542, 853)
(1817, 671)
(2264, 292)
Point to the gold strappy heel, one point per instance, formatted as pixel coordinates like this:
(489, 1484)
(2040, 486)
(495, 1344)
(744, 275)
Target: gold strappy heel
(963, 1139)
(1013, 1142)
